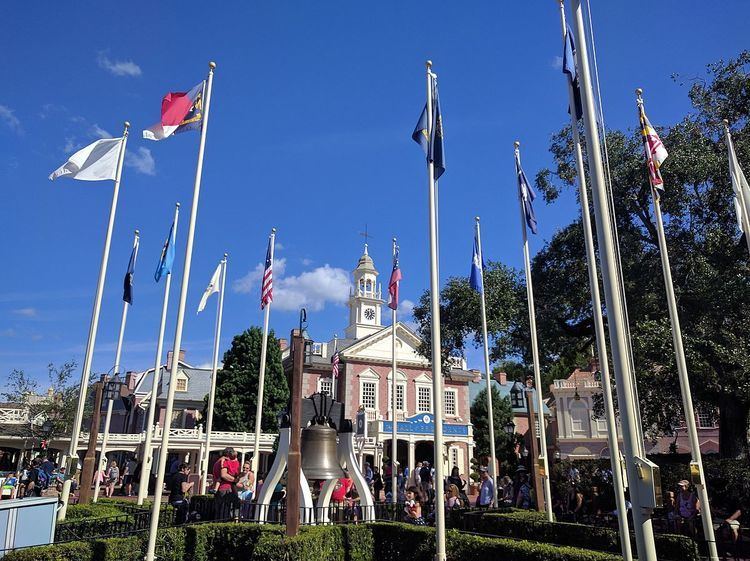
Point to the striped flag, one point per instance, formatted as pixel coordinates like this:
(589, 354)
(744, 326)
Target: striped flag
(394, 282)
(266, 293)
(335, 365)
(655, 151)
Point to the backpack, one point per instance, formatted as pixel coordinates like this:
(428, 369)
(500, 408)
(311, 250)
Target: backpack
(42, 477)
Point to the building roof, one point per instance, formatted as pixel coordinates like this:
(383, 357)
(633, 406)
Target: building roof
(199, 383)
(504, 390)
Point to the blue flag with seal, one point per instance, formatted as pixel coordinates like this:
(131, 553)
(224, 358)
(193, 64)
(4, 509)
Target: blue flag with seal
(431, 139)
(167, 256)
(477, 269)
(569, 68)
(127, 294)
(526, 194)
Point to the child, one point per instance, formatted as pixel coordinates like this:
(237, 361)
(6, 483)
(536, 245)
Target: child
(413, 507)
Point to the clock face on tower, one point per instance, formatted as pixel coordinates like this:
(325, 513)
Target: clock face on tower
(369, 314)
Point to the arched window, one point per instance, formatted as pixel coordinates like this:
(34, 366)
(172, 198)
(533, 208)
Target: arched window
(368, 288)
(361, 286)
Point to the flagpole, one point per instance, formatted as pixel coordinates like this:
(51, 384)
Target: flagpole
(147, 459)
(215, 367)
(91, 342)
(535, 359)
(493, 456)
(394, 420)
(741, 190)
(334, 395)
(262, 371)
(164, 449)
(437, 371)
(642, 524)
(116, 370)
(687, 399)
(596, 307)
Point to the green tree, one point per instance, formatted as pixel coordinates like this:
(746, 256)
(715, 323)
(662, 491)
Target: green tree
(51, 411)
(710, 267)
(502, 414)
(237, 384)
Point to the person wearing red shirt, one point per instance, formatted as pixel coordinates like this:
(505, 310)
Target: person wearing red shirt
(226, 472)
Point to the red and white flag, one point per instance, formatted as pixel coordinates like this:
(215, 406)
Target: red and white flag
(335, 365)
(394, 282)
(655, 151)
(180, 112)
(266, 291)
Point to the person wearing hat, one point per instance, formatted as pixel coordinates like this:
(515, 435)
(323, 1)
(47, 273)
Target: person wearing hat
(487, 490)
(688, 507)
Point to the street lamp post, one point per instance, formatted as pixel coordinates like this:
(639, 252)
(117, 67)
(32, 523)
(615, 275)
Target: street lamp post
(112, 390)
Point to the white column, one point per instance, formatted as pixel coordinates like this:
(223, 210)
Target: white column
(148, 458)
(93, 327)
(214, 370)
(178, 328)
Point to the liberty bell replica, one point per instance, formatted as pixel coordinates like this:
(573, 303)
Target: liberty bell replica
(319, 445)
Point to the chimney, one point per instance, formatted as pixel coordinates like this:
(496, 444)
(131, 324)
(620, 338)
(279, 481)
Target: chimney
(501, 378)
(131, 378)
(283, 344)
(170, 354)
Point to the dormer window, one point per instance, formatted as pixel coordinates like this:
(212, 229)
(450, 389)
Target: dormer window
(182, 384)
(516, 395)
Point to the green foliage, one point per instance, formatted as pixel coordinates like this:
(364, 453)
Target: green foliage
(709, 262)
(502, 414)
(530, 526)
(235, 407)
(73, 551)
(252, 542)
(119, 549)
(52, 416)
(89, 511)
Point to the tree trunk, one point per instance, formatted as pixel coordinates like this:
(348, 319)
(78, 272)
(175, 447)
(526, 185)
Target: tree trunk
(733, 422)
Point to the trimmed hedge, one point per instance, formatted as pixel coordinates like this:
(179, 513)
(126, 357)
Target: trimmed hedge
(381, 541)
(523, 525)
(89, 511)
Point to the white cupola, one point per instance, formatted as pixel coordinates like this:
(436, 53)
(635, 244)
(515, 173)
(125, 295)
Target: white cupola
(364, 300)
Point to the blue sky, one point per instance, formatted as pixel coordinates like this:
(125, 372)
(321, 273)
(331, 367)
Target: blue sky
(312, 112)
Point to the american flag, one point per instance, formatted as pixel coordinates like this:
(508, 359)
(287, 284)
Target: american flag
(393, 283)
(335, 365)
(266, 293)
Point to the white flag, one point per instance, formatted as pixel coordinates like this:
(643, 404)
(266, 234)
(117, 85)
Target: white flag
(96, 162)
(740, 185)
(212, 288)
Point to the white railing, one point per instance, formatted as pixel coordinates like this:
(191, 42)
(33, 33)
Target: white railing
(371, 414)
(14, 416)
(567, 384)
(187, 436)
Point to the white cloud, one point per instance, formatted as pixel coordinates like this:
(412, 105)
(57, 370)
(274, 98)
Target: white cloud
(10, 332)
(307, 262)
(278, 246)
(71, 145)
(7, 115)
(246, 283)
(141, 160)
(557, 62)
(312, 289)
(118, 67)
(99, 132)
(26, 312)
(37, 337)
(406, 307)
(210, 365)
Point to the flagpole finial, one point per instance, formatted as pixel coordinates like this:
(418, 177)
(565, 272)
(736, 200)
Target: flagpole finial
(212, 65)
(394, 240)
(273, 230)
(127, 124)
(225, 256)
(477, 219)
(428, 64)
(177, 205)
(639, 92)
(137, 233)
(726, 122)
(516, 144)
